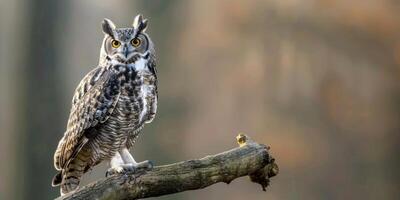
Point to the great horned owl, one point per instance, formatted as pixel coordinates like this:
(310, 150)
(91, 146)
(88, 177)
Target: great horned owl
(110, 106)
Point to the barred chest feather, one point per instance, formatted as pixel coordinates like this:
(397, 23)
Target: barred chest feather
(136, 105)
(138, 94)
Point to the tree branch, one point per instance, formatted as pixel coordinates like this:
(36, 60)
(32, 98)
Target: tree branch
(250, 159)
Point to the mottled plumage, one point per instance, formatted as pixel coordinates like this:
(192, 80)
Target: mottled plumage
(110, 105)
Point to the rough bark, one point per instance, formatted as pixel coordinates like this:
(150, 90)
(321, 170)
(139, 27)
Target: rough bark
(249, 159)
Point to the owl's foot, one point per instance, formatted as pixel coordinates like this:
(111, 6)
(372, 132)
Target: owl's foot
(130, 168)
(114, 170)
(145, 165)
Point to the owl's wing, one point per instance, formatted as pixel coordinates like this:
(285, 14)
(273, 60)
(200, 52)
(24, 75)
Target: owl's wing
(153, 101)
(93, 102)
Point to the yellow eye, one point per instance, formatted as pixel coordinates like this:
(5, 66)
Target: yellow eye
(115, 44)
(135, 42)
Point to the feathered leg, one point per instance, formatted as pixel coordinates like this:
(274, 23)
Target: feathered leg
(123, 162)
(129, 160)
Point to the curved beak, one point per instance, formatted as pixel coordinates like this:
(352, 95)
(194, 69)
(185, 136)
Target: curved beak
(126, 51)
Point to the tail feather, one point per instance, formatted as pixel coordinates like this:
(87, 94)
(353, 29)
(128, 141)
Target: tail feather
(68, 179)
(56, 179)
(69, 184)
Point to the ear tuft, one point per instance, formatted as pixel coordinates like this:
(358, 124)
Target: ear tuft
(108, 27)
(139, 23)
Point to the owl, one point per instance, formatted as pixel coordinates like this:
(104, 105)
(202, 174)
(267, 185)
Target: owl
(110, 106)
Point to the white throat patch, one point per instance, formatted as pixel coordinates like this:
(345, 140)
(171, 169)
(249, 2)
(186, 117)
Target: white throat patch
(140, 65)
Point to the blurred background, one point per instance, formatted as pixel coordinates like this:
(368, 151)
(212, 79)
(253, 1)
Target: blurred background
(318, 81)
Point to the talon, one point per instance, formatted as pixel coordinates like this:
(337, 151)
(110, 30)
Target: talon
(114, 170)
(109, 173)
(130, 168)
(150, 164)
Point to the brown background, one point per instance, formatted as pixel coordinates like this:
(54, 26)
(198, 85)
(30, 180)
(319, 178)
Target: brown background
(318, 81)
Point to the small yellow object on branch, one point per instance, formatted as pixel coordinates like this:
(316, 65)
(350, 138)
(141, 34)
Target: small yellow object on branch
(241, 139)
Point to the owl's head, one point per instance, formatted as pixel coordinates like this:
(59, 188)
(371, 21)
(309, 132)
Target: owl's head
(125, 45)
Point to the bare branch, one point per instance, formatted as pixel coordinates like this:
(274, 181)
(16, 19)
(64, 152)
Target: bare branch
(250, 159)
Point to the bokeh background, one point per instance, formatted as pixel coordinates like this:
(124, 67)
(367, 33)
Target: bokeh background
(318, 81)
